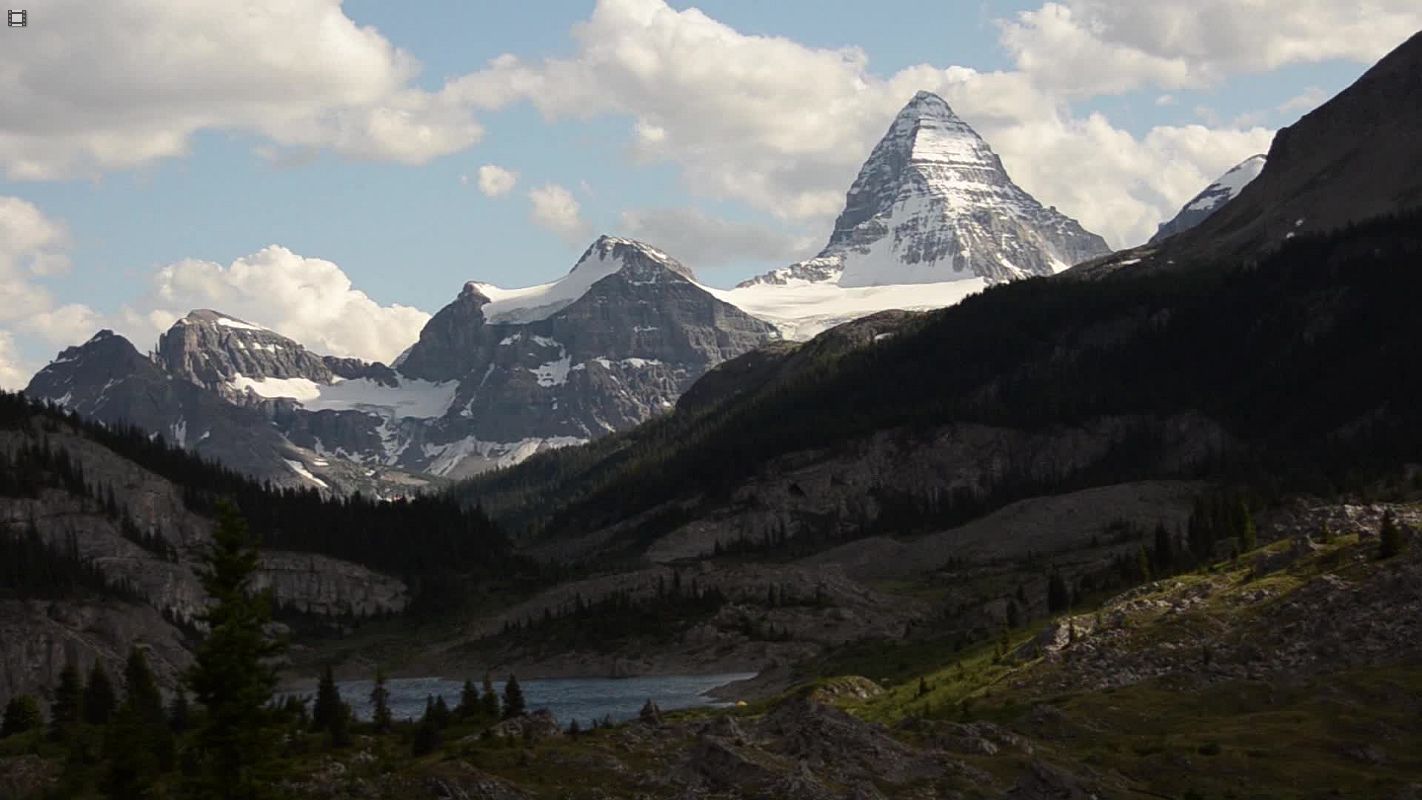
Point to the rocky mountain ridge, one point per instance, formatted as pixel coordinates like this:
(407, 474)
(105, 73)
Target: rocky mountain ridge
(496, 376)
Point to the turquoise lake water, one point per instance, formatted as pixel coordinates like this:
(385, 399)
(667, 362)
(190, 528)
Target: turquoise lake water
(585, 699)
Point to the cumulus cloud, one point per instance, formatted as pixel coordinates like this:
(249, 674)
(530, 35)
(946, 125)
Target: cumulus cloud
(1086, 47)
(34, 247)
(151, 73)
(701, 240)
(495, 181)
(14, 372)
(783, 127)
(554, 208)
(310, 300)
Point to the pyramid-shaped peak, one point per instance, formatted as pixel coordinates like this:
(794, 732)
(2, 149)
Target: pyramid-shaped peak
(927, 105)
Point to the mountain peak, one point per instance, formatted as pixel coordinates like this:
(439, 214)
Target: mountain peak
(1213, 198)
(933, 204)
(204, 316)
(607, 249)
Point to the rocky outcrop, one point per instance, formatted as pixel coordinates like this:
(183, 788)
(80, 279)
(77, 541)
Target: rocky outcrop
(152, 563)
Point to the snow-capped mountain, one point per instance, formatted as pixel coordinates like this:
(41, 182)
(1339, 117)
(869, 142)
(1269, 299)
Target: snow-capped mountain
(497, 375)
(1212, 199)
(932, 204)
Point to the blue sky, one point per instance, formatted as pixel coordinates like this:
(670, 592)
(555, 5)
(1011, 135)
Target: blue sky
(156, 171)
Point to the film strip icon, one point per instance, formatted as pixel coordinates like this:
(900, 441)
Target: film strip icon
(17, 18)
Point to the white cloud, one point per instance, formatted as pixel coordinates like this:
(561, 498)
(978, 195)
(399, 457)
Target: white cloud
(1087, 47)
(14, 372)
(69, 324)
(148, 74)
(783, 127)
(494, 180)
(308, 299)
(34, 247)
(554, 208)
(701, 240)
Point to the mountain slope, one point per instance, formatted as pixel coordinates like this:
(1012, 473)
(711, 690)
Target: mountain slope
(933, 203)
(103, 531)
(496, 376)
(1053, 385)
(1212, 198)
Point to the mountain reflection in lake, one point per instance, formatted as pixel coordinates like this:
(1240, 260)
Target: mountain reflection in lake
(585, 699)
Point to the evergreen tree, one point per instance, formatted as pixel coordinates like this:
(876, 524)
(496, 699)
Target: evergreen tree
(99, 698)
(22, 714)
(1248, 535)
(178, 712)
(468, 707)
(574, 729)
(380, 716)
(490, 699)
(328, 706)
(68, 700)
(143, 707)
(439, 712)
(1164, 549)
(513, 698)
(1390, 539)
(1058, 596)
(1143, 563)
(231, 673)
(427, 736)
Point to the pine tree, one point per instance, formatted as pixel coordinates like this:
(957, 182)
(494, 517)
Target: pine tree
(490, 699)
(1390, 539)
(380, 716)
(439, 713)
(65, 709)
(513, 698)
(231, 673)
(178, 712)
(574, 729)
(145, 705)
(1248, 535)
(427, 736)
(99, 699)
(327, 708)
(1164, 549)
(22, 714)
(1143, 563)
(1058, 597)
(468, 707)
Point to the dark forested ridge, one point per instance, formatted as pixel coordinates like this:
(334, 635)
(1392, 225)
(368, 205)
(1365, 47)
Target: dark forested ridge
(1305, 358)
(427, 540)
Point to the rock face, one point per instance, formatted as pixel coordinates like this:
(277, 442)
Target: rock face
(496, 376)
(1352, 158)
(933, 203)
(161, 587)
(1212, 199)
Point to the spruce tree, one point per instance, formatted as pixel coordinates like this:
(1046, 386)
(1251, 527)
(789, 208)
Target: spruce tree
(231, 673)
(99, 698)
(144, 704)
(328, 706)
(513, 698)
(439, 712)
(65, 709)
(22, 714)
(1248, 535)
(468, 707)
(1058, 597)
(1390, 539)
(178, 712)
(380, 716)
(490, 699)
